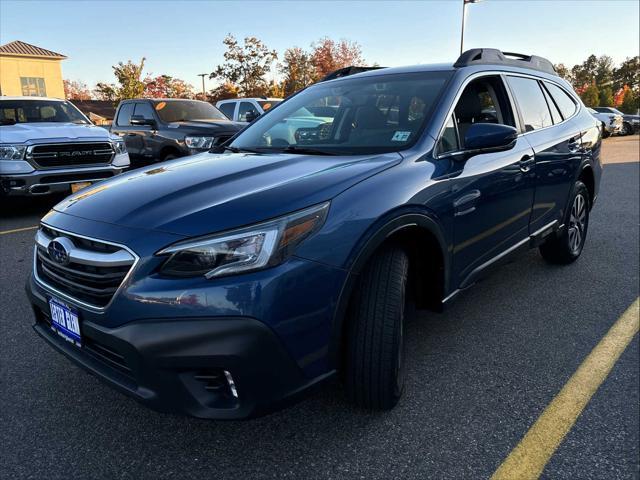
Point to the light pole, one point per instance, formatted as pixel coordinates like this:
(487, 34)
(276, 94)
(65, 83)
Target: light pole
(204, 95)
(464, 18)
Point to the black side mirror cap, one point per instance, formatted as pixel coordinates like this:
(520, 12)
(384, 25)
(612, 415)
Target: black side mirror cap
(489, 137)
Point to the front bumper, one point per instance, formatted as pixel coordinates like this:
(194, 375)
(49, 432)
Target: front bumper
(168, 364)
(41, 182)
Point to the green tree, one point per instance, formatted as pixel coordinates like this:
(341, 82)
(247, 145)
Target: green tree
(627, 74)
(631, 102)
(563, 72)
(606, 96)
(585, 73)
(246, 66)
(591, 95)
(129, 83)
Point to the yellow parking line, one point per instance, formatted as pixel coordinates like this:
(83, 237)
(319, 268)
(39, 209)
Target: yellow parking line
(16, 230)
(528, 459)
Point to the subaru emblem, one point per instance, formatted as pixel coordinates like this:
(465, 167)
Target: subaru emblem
(58, 250)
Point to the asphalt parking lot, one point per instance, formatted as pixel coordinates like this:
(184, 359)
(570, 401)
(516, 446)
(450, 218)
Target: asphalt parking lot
(479, 377)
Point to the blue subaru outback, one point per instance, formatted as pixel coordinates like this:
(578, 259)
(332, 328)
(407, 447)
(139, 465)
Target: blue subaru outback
(228, 283)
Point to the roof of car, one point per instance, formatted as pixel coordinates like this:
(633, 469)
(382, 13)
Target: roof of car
(259, 99)
(5, 97)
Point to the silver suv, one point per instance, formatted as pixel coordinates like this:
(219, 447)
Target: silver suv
(47, 145)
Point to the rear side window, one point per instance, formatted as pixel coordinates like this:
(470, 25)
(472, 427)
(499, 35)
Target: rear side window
(144, 110)
(530, 99)
(124, 114)
(564, 102)
(227, 109)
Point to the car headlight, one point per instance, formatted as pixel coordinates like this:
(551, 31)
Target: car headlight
(120, 147)
(199, 142)
(247, 249)
(12, 152)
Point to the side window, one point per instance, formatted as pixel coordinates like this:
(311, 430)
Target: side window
(124, 115)
(564, 102)
(227, 109)
(533, 106)
(483, 101)
(449, 139)
(555, 113)
(144, 110)
(245, 108)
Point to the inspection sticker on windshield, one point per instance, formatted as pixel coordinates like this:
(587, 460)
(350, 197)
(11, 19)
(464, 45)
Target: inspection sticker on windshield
(400, 136)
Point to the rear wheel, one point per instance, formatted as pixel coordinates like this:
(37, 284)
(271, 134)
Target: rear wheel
(627, 129)
(567, 246)
(605, 133)
(374, 370)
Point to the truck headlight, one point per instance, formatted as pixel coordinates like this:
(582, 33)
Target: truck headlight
(120, 147)
(199, 143)
(247, 249)
(12, 152)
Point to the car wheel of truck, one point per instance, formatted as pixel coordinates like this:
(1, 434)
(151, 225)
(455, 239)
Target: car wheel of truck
(627, 129)
(567, 246)
(374, 369)
(605, 133)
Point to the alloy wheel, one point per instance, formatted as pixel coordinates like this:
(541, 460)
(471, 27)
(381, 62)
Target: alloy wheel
(577, 223)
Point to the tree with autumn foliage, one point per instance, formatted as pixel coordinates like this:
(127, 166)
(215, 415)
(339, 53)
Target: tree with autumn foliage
(221, 92)
(130, 84)
(246, 66)
(297, 69)
(166, 86)
(76, 90)
(328, 55)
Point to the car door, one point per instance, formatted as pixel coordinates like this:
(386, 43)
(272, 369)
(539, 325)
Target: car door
(229, 109)
(492, 193)
(123, 128)
(145, 136)
(556, 142)
(247, 111)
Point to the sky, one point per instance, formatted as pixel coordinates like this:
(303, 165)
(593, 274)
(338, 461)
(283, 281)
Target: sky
(184, 38)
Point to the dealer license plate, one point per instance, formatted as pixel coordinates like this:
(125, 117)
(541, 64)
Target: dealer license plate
(64, 320)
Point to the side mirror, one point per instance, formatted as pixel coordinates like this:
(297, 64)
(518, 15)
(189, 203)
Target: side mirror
(140, 120)
(490, 137)
(251, 116)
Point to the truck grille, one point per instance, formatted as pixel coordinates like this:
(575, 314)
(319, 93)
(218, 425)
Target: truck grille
(90, 272)
(71, 154)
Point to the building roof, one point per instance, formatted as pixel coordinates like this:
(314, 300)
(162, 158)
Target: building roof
(22, 49)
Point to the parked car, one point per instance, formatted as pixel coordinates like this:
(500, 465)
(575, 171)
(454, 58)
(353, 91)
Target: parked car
(238, 280)
(630, 122)
(611, 123)
(164, 129)
(246, 110)
(47, 145)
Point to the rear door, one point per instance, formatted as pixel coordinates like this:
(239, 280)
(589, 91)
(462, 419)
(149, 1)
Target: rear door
(545, 115)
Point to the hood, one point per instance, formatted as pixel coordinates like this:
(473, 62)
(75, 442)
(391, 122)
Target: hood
(42, 132)
(207, 126)
(209, 193)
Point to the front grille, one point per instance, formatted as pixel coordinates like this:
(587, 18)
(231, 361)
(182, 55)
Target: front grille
(75, 177)
(93, 272)
(71, 154)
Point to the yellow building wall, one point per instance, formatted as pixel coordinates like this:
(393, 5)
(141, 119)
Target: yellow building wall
(12, 68)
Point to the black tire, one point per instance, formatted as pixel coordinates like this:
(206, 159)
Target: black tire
(627, 129)
(169, 156)
(566, 247)
(374, 367)
(605, 134)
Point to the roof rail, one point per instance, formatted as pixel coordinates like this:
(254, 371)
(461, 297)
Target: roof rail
(346, 71)
(493, 56)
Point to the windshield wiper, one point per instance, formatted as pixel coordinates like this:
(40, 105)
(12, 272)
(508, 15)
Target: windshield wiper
(307, 151)
(239, 150)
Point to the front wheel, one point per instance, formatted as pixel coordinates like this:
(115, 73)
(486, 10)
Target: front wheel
(567, 246)
(374, 369)
(627, 129)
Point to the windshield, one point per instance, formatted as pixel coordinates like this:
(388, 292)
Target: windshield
(267, 104)
(374, 114)
(32, 111)
(181, 110)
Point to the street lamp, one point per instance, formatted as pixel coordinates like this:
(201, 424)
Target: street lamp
(464, 17)
(204, 95)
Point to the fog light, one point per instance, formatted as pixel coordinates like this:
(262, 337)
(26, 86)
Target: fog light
(232, 385)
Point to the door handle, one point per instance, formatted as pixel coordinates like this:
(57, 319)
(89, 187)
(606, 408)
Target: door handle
(526, 163)
(466, 203)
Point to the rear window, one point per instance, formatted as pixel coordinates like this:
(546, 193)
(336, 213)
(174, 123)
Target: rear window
(564, 102)
(533, 106)
(38, 111)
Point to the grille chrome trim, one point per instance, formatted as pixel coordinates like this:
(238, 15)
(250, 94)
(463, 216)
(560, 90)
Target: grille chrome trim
(103, 156)
(70, 298)
(116, 259)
